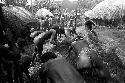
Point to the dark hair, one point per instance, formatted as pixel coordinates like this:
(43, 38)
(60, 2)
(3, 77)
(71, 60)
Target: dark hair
(87, 18)
(47, 56)
(90, 28)
(42, 18)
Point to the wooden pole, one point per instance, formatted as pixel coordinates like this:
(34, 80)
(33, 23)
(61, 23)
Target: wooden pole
(76, 15)
(32, 6)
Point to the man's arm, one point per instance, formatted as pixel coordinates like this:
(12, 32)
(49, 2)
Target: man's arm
(35, 33)
(93, 24)
(42, 75)
(53, 35)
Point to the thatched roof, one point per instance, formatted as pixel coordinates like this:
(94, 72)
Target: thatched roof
(43, 13)
(17, 19)
(18, 16)
(22, 14)
(107, 9)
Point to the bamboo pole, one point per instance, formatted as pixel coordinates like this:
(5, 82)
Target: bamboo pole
(32, 6)
(76, 14)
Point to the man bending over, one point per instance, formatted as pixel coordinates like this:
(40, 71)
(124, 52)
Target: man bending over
(41, 39)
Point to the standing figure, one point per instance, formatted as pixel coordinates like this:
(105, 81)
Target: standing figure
(71, 26)
(92, 37)
(89, 24)
(45, 24)
(41, 20)
(2, 25)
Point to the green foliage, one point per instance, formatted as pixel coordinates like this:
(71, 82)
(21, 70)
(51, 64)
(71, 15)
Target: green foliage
(88, 4)
(16, 2)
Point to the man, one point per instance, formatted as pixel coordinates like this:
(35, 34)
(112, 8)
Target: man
(45, 24)
(41, 39)
(2, 25)
(92, 37)
(89, 24)
(58, 70)
(71, 23)
(6, 59)
(41, 21)
(20, 67)
(3, 30)
(82, 57)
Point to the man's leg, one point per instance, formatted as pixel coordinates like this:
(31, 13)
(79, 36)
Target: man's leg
(40, 48)
(9, 73)
(34, 54)
(39, 51)
(16, 69)
(103, 71)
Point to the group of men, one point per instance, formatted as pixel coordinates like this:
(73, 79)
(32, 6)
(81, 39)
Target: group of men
(12, 63)
(58, 69)
(40, 37)
(64, 70)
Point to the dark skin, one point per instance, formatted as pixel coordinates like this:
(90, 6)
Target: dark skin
(39, 42)
(95, 61)
(7, 66)
(89, 24)
(59, 71)
(98, 64)
(59, 30)
(21, 66)
(93, 39)
(2, 25)
(2, 20)
(3, 28)
(46, 23)
(7, 58)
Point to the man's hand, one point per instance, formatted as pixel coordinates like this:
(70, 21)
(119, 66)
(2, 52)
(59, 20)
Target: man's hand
(51, 41)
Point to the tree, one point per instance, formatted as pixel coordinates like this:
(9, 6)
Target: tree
(16, 2)
(10, 2)
(88, 4)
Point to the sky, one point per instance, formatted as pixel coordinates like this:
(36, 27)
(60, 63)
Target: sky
(29, 1)
(69, 0)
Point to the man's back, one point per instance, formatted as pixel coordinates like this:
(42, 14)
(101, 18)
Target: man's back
(60, 71)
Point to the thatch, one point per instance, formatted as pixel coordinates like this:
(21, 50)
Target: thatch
(17, 19)
(18, 15)
(43, 13)
(107, 9)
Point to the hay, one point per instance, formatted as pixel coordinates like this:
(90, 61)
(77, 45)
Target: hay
(107, 9)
